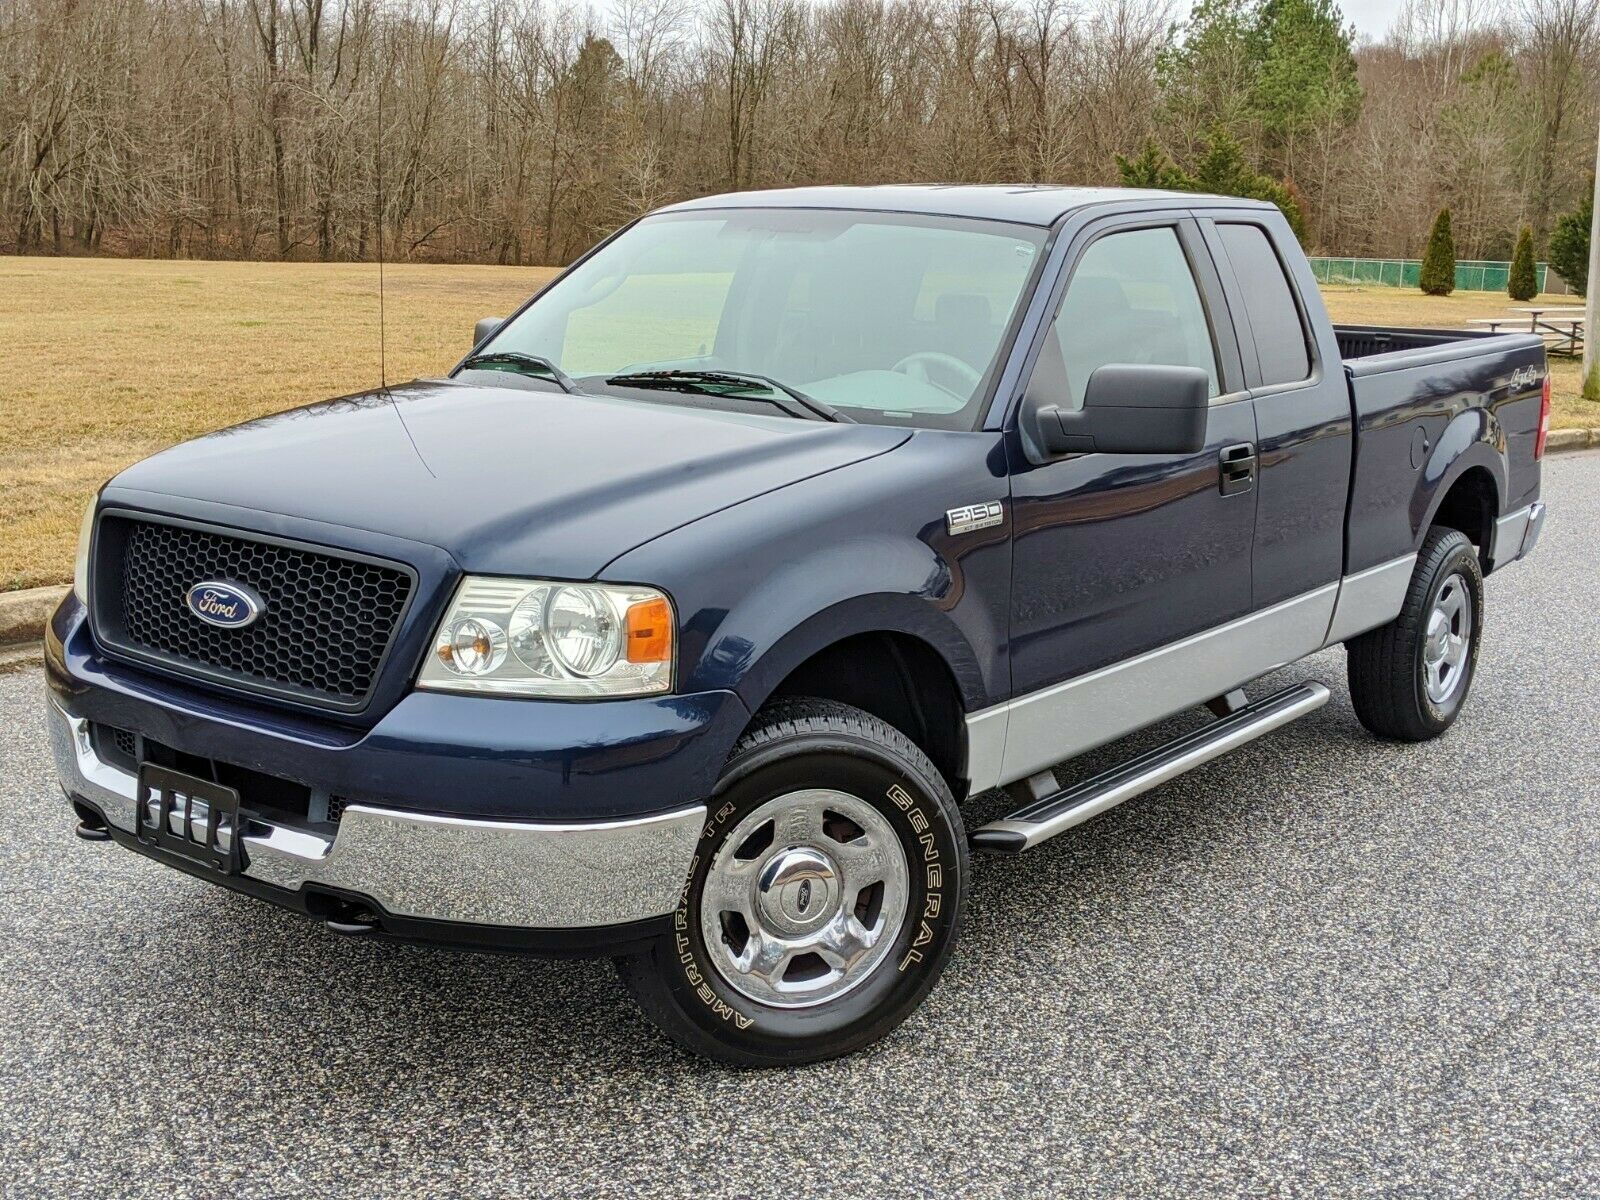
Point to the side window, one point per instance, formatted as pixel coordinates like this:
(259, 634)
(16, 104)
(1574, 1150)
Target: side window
(1269, 302)
(1132, 299)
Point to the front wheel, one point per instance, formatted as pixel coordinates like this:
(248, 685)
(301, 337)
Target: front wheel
(1409, 678)
(823, 900)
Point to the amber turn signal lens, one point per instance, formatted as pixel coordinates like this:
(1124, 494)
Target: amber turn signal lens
(650, 632)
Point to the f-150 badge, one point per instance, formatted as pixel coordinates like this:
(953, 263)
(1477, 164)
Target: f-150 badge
(970, 518)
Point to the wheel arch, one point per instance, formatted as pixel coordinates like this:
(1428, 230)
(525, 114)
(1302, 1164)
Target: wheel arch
(1471, 505)
(892, 657)
(1469, 481)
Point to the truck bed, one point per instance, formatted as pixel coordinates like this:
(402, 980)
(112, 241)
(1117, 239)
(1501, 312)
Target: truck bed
(1418, 394)
(1366, 341)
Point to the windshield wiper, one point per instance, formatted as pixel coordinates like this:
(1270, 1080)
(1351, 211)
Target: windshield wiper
(795, 402)
(528, 362)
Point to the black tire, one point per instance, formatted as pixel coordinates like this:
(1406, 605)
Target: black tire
(1388, 674)
(795, 745)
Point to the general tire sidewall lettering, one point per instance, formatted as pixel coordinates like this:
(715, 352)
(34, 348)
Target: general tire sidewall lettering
(933, 902)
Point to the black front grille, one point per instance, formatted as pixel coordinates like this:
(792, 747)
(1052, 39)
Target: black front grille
(326, 622)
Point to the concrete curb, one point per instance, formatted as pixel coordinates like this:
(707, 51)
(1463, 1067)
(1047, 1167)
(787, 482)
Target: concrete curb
(23, 614)
(1573, 439)
(20, 656)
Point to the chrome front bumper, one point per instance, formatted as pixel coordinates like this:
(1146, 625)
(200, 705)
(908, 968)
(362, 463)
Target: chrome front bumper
(514, 874)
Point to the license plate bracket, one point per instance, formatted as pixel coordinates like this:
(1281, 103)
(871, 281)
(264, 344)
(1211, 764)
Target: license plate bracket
(187, 816)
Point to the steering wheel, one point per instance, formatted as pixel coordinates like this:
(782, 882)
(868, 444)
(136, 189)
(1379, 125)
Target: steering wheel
(917, 367)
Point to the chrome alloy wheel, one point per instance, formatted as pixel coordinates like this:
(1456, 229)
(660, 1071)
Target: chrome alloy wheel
(1448, 640)
(804, 898)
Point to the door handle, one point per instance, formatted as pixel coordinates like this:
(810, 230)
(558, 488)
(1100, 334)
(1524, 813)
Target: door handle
(1238, 469)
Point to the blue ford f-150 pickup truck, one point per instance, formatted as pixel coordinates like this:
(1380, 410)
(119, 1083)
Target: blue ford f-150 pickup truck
(678, 622)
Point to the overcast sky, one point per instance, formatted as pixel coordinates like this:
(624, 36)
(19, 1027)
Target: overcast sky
(1371, 17)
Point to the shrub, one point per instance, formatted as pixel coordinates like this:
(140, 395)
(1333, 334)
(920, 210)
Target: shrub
(1524, 281)
(1439, 263)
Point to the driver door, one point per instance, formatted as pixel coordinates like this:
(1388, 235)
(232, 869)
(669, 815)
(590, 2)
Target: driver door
(1119, 555)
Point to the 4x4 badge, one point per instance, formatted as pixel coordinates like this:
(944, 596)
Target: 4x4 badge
(971, 517)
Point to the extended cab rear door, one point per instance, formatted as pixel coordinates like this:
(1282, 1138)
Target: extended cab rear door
(1302, 405)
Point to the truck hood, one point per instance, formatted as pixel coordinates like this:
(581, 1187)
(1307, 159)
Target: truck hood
(506, 480)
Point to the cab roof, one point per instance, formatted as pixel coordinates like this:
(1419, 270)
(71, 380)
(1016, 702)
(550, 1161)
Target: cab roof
(1039, 204)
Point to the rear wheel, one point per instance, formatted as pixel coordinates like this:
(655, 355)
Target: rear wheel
(824, 899)
(1410, 678)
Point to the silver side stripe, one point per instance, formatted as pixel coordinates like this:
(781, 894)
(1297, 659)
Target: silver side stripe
(1020, 737)
(1370, 598)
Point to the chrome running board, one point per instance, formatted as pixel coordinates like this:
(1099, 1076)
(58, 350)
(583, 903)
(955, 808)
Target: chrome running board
(1042, 819)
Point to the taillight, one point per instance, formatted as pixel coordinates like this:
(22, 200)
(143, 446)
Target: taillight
(1544, 418)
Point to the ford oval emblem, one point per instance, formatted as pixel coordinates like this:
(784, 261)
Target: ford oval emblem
(226, 605)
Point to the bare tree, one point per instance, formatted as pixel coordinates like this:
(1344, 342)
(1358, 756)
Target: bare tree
(1559, 47)
(521, 130)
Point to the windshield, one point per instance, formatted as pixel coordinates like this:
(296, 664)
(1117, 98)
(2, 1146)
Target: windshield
(895, 319)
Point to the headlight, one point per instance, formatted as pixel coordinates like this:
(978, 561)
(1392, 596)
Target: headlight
(80, 568)
(526, 637)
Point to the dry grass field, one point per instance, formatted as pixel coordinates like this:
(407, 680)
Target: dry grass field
(1392, 306)
(107, 361)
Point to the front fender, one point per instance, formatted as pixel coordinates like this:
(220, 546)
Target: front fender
(763, 585)
(868, 584)
(755, 680)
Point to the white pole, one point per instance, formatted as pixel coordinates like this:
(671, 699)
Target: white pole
(1591, 300)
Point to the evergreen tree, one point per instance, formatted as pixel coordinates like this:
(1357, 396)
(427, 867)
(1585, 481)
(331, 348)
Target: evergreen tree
(1268, 72)
(1153, 169)
(1306, 75)
(1524, 281)
(1439, 263)
(1207, 69)
(1223, 170)
(1569, 246)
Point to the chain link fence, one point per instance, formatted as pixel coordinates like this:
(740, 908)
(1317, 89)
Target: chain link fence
(1407, 273)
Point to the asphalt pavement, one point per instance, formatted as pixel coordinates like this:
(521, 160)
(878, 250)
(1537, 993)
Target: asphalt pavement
(1324, 965)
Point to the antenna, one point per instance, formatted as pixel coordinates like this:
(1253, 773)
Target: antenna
(383, 364)
(377, 158)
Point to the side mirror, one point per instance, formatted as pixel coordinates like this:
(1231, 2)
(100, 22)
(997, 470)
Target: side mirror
(1127, 409)
(485, 327)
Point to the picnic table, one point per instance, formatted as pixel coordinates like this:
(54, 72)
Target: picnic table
(1561, 327)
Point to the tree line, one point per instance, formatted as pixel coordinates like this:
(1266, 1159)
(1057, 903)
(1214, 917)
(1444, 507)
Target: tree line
(520, 131)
